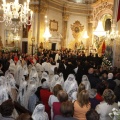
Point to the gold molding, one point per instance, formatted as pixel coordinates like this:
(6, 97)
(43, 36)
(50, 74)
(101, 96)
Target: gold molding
(76, 28)
(53, 25)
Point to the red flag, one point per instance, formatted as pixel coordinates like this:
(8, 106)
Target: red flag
(103, 47)
(118, 15)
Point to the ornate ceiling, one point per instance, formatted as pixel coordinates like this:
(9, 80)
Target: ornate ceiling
(83, 1)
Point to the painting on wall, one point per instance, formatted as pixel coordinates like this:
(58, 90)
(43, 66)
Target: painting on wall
(9, 38)
(53, 25)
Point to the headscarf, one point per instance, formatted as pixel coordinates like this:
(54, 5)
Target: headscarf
(3, 90)
(25, 69)
(70, 85)
(39, 68)
(86, 82)
(55, 80)
(11, 85)
(31, 89)
(22, 90)
(39, 113)
(12, 67)
(61, 79)
(10, 79)
(19, 72)
(45, 75)
(34, 75)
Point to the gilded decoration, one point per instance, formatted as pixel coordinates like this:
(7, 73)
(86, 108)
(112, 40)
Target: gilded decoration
(77, 28)
(35, 6)
(53, 25)
(65, 14)
(43, 9)
(102, 8)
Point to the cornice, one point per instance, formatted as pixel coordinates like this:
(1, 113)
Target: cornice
(96, 4)
(72, 8)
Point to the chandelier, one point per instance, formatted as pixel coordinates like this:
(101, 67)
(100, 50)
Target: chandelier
(99, 31)
(46, 34)
(114, 34)
(15, 11)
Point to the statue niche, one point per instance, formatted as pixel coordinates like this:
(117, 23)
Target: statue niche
(76, 28)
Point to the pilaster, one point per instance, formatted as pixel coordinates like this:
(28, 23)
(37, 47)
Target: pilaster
(65, 26)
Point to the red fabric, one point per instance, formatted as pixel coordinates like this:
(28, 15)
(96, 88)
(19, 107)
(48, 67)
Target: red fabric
(118, 16)
(16, 58)
(31, 61)
(103, 47)
(44, 95)
(56, 109)
(36, 58)
(99, 97)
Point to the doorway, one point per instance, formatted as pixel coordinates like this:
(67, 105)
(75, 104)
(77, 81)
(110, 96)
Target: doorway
(24, 47)
(53, 46)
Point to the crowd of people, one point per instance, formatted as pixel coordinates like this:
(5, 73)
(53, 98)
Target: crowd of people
(57, 85)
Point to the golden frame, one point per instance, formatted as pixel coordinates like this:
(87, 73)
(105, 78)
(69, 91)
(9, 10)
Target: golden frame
(53, 25)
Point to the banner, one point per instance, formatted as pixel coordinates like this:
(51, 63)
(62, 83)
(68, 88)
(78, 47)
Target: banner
(118, 15)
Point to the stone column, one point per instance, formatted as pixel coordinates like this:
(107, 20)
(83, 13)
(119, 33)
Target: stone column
(115, 9)
(65, 24)
(43, 9)
(34, 6)
(115, 26)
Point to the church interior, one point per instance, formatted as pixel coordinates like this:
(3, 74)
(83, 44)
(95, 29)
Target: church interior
(59, 59)
(64, 24)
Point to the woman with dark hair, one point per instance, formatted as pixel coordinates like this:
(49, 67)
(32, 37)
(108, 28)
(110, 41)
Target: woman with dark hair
(106, 106)
(6, 109)
(24, 116)
(92, 115)
(81, 105)
(100, 88)
(67, 110)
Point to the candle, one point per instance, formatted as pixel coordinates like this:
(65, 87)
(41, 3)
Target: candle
(28, 1)
(16, 1)
(31, 14)
(4, 1)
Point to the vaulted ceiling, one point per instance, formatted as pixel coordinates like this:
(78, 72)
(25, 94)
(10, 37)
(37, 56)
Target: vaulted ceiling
(83, 1)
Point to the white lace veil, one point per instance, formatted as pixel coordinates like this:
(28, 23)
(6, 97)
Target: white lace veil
(3, 90)
(61, 79)
(12, 67)
(86, 82)
(10, 79)
(19, 72)
(70, 85)
(39, 113)
(25, 69)
(22, 90)
(34, 75)
(39, 68)
(45, 75)
(31, 89)
(55, 80)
